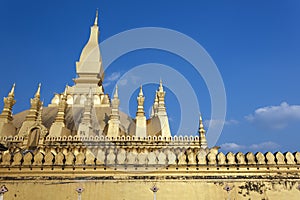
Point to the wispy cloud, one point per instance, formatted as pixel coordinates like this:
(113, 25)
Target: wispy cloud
(123, 82)
(111, 78)
(232, 147)
(264, 146)
(275, 117)
(114, 76)
(215, 122)
(130, 79)
(106, 84)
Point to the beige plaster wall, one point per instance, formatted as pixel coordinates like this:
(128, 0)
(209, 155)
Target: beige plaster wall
(140, 189)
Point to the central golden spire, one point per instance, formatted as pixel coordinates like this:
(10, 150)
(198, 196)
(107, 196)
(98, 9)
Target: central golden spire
(96, 18)
(89, 67)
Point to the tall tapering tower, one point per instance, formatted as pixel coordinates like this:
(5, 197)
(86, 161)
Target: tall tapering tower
(6, 118)
(114, 118)
(9, 102)
(140, 119)
(203, 141)
(85, 127)
(89, 67)
(58, 128)
(162, 113)
(90, 74)
(33, 113)
(155, 106)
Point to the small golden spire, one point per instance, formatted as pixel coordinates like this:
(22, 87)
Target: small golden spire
(203, 141)
(115, 102)
(201, 127)
(116, 95)
(38, 92)
(64, 94)
(141, 91)
(161, 89)
(96, 18)
(155, 105)
(12, 91)
(140, 101)
(65, 91)
(9, 102)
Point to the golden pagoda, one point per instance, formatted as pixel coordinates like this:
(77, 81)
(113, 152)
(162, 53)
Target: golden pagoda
(81, 146)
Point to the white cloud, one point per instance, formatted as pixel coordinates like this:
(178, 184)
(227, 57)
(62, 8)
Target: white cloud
(216, 122)
(129, 79)
(231, 122)
(111, 78)
(123, 82)
(264, 146)
(275, 117)
(231, 147)
(116, 79)
(114, 76)
(106, 84)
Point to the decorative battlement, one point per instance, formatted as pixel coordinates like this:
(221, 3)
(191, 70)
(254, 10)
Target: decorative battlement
(150, 143)
(124, 151)
(166, 157)
(106, 138)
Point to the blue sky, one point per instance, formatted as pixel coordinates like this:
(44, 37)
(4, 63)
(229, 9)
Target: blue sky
(255, 45)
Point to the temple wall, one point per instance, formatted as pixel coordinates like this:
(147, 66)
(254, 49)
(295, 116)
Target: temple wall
(140, 189)
(125, 168)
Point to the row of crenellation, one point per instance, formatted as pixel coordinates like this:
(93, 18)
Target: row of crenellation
(144, 157)
(106, 138)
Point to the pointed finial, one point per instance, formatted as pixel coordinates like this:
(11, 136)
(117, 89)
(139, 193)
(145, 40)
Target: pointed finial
(160, 86)
(201, 127)
(140, 102)
(141, 91)
(38, 92)
(65, 91)
(203, 141)
(96, 18)
(12, 91)
(116, 92)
